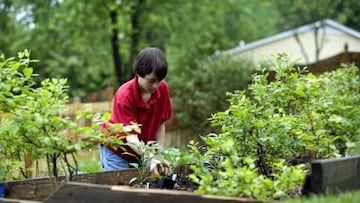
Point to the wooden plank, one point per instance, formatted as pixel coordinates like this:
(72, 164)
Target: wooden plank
(120, 177)
(335, 175)
(40, 188)
(28, 189)
(74, 192)
(5, 200)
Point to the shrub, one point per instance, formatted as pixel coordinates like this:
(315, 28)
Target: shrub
(201, 91)
(275, 126)
(32, 122)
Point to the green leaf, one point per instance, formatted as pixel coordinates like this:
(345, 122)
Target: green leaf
(28, 72)
(350, 144)
(259, 123)
(106, 116)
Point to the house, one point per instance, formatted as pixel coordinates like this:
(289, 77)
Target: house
(311, 43)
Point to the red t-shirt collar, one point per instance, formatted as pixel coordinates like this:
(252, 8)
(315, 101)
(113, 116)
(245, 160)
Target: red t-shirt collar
(139, 102)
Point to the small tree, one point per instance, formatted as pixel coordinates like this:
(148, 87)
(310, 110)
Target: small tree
(33, 122)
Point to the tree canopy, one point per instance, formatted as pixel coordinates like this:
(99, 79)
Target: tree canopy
(93, 43)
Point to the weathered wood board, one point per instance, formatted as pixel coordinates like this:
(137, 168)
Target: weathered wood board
(338, 174)
(73, 192)
(40, 188)
(5, 200)
(335, 175)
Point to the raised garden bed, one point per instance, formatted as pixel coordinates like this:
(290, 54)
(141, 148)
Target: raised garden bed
(101, 187)
(336, 175)
(41, 188)
(91, 193)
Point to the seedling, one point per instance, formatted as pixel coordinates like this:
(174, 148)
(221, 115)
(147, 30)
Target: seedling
(147, 152)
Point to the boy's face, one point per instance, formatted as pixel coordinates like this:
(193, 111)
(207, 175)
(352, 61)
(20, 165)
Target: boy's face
(149, 83)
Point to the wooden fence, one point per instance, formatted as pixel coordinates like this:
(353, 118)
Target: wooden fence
(332, 63)
(328, 64)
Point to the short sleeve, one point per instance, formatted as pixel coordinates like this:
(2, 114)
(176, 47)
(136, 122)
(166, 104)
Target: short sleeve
(167, 114)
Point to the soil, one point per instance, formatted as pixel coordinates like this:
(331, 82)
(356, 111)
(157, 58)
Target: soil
(183, 181)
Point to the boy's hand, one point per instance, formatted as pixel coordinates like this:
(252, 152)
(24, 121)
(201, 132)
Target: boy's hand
(133, 140)
(158, 167)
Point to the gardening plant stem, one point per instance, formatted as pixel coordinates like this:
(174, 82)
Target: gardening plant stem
(48, 158)
(65, 171)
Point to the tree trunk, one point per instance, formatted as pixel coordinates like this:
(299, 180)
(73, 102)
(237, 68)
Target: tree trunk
(136, 30)
(115, 47)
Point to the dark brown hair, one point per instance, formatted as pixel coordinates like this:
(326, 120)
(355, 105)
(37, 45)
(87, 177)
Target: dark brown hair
(149, 60)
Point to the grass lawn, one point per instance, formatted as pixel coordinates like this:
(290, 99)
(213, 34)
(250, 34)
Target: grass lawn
(347, 197)
(88, 161)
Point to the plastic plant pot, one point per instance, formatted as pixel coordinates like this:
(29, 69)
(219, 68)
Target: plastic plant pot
(1, 189)
(166, 183)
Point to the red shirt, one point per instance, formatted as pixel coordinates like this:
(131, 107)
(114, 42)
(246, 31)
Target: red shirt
(128, 107)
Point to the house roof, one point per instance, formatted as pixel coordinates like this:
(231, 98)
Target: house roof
(331, 25)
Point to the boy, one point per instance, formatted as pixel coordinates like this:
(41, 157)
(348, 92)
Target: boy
(144, 100)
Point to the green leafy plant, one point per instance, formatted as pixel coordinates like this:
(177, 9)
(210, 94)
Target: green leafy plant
(268, 133)
(176, 157)
(32, 119)
(152, 151)
(148, 151)
(34, 125)
(9, 168)
(222, 171)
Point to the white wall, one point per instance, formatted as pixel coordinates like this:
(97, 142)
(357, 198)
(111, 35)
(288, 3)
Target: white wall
(334, 42)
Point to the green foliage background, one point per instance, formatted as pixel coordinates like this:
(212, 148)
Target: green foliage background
(74, 39)
(204, 92)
